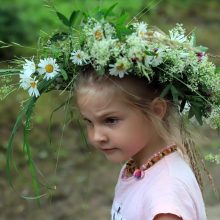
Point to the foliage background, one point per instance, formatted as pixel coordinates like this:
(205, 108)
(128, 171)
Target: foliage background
(83, 179)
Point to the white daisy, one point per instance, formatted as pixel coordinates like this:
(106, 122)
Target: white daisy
(119, 68)
(141, 30)
(157, 58)
(175, 36)
(148, 60)
(49, 67)
(178, 34)
(78, 57)
(33, 91)
(98, 32)
(29, 67)
(24, 81)
(30, 84)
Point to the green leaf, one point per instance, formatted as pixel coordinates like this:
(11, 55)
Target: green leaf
(150, 53)
(99, 13)
(121, 29)
(109, 10)
(198, 115)
(174, 93)
(63, 19)
(9, 151)
(195, 110)
(85, 15)
(6, 46)
(45, 84)
(165, 91)
(27, 111)
(193, 39)
(122, 19)
(5, 72)
(73, 17)
(27, 148)
(198, 103)
(203, 49)
(64, 74)
(217, 69)
(59, 37)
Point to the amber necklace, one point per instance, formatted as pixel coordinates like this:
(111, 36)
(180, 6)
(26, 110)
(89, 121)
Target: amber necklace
(132, 170)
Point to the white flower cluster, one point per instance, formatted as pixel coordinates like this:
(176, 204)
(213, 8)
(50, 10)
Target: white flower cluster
(136, 49)
(30, 74)
(141, 50)
(145, 50)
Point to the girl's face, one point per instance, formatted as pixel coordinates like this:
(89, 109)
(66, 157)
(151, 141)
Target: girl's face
(115, 128)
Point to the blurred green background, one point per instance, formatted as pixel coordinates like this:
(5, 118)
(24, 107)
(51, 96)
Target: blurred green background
(82, 180)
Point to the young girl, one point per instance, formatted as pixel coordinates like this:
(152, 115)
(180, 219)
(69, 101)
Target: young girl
(135, 85)
(128, 121)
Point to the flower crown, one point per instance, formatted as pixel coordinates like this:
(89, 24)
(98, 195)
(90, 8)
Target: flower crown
(116, 48)
(136, 49)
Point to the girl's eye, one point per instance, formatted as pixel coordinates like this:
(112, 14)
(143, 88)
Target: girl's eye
(88, 122)
(111, 121)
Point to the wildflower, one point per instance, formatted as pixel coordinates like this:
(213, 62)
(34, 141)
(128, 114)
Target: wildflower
(78, 57)
(135, 41)
(98, 32)
(141, 29)
(101, 51)
(119, 68)
(29, 67)
(109, 31)
(157, 58)
(135, 55)
(49, 67)
(201, 56)
(33, 91)
(158, 34)
(30, 84)
(24, 81)
(178, 34)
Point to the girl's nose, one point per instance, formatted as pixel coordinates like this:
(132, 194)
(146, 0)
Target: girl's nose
(99, 135)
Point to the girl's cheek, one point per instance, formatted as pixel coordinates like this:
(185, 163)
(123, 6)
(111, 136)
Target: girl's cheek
(89, 135)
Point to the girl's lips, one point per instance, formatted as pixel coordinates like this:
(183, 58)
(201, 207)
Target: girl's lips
(108, 150)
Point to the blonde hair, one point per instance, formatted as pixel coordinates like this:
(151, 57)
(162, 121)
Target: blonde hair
(138, 93)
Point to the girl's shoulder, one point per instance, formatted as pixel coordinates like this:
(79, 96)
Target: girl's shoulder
(170, 167)
(169, 186)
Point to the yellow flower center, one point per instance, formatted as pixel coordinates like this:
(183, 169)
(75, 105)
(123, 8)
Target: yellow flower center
(120, 67)
(98, 35)
(33, 84)
(150, 33)
(49, 68)
(142, 33)
(78, 56)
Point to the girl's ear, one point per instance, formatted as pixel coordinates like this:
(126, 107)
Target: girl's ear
(159, 107)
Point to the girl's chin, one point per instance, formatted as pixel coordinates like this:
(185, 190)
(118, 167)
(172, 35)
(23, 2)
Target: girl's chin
(115, 158)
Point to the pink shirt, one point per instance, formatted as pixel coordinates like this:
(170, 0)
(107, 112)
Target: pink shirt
(169, 186)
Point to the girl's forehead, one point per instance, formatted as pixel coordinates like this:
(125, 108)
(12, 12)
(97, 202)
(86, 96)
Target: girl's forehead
(100, 100)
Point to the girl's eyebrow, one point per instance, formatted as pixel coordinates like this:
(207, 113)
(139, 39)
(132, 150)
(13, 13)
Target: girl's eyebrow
(103, 115)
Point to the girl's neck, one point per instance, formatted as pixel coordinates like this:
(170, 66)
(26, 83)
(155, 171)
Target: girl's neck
(146, 153)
